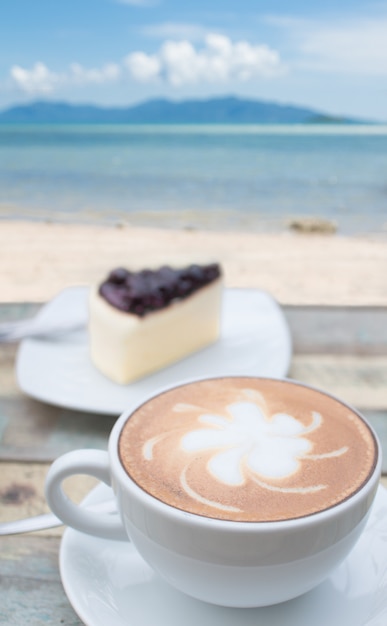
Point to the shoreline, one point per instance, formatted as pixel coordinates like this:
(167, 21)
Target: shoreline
(213, 220)
(39, 259)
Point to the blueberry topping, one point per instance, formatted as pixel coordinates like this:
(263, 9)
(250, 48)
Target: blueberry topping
(149, 290)
(118, 276)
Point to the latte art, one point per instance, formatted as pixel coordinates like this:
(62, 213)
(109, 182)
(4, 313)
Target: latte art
(251, 450)
(256, 445)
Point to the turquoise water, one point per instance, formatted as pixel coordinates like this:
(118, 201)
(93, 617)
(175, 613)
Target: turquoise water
(253, 177)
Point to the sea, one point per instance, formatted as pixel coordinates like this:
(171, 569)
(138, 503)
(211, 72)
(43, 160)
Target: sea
(255, 178)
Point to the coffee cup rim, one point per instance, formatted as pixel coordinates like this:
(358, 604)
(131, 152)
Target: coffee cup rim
(162, 508)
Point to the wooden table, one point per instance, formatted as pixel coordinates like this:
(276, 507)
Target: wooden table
(340, 349)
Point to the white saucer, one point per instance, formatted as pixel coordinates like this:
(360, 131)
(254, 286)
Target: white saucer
(255, 339)
(108, 583)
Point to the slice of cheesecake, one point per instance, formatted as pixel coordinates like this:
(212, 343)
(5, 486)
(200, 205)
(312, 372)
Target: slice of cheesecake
(140, 322)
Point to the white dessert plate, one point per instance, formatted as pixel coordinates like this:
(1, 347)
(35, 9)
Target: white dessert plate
(107, 582)
(255, 340)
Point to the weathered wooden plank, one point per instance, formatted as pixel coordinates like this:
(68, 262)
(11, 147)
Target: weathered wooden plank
(22, 491)
(338, 329)
(358, 380)
(33, 430)
(10, 311)
(8, 382)
(30, 587)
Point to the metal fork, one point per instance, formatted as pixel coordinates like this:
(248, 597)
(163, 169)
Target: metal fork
(15, 331)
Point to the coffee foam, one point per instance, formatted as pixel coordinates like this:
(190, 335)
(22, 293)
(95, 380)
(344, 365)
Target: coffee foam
(247, 449)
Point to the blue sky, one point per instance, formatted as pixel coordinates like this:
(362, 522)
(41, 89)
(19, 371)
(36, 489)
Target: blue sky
(332, 57)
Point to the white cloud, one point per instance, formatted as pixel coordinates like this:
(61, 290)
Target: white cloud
(143, 67)
(219, 60)
(176, 63)
(37, 80)
(41, 80)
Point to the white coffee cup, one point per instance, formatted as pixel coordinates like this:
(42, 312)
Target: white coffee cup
(229, 563)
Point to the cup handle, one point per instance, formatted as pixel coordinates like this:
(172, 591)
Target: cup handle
(93, 463)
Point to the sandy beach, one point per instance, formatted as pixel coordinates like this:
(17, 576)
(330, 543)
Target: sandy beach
(37, 260)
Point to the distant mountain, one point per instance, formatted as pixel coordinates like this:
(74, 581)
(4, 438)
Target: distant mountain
(229, 110)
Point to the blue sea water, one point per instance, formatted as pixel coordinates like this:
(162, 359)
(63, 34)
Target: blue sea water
(242, 177)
